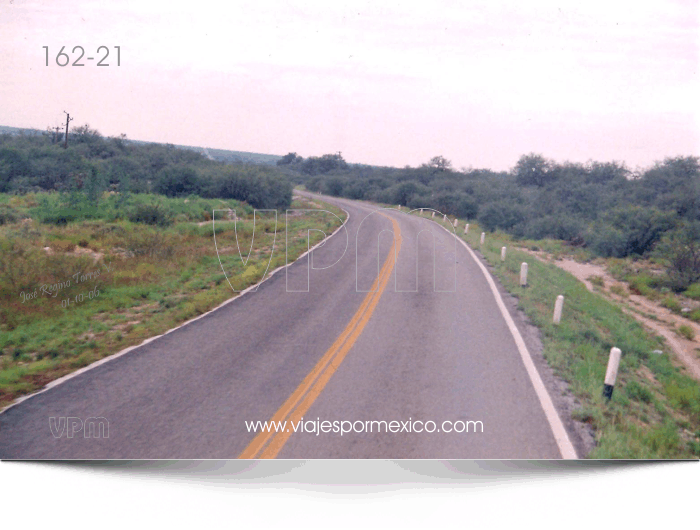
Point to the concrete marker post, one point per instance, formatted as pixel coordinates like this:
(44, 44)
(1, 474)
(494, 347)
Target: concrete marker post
(433, 214)
(444, 217)
(611, 372)
(483, 237)
(523, 274)
(456, 222)
(503, 253)
(466, 228)
(558, 306)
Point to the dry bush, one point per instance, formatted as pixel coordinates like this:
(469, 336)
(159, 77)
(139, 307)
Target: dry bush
(150, 243)
(62, 245)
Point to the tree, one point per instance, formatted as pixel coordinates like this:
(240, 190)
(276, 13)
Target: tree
(673, 185)
(403, 192)
(94, 185)
(681, 248)
(334, 186)
(607, 172)
(629, 230)
(13, 164)
(289, 159)
(503, 215)
(440, 163)
(320, 165)
(84, 134)
(178, 181)
(533, 170)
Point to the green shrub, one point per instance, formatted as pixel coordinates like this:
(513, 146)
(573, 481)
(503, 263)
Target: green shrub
(693, 291)
(150, 214)
(178, 181)
(638, 392)
(681, 249)
(671, 303)
(69, 214)
(597, 281)
(8, 215)
(503, 215)
(643, 284)
(606, 241)
(619, 290)
(557, 227)
(686, 331)
(686, 396)
(628, 230)
(149, 243)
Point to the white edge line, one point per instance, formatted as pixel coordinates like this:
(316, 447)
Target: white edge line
(114, 356)
(566, 448)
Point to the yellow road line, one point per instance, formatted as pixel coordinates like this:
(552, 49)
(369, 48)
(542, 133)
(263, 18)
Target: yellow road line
(268, 444)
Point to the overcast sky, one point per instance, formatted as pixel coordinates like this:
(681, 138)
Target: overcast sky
(388, 83)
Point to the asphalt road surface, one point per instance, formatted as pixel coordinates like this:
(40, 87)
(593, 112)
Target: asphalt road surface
(395, 322)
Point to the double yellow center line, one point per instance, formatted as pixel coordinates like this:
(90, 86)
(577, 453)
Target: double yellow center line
(269, 444)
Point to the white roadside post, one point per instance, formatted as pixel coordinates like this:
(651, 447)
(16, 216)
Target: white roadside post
(611, 372)
(523, 274)
(503, 253)
(399, 207)
(466, 228)
(421, 211)
(558, 306)
(456, 222)
(483, 237)
(433, 214)
(444, 217)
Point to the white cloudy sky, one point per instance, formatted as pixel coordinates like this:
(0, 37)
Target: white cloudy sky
(390, 83)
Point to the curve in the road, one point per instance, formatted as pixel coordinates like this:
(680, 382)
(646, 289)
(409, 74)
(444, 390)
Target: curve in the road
(268, 444)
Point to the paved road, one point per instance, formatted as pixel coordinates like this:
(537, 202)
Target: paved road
(427, 343)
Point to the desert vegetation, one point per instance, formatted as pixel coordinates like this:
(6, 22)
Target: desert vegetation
(603, 208)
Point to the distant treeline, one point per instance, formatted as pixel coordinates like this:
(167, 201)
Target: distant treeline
(94, 164)
(601, 205)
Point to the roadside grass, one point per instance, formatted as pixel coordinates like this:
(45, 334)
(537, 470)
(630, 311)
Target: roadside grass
(655, 408)
(126, 281)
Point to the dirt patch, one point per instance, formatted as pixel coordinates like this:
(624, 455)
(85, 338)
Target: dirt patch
(80, 251)
(39, 380)
(125, 325)
(122, 253)
(143, 307)
(224, 250)
(655, 317)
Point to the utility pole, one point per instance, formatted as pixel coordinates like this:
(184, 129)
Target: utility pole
(68, 120)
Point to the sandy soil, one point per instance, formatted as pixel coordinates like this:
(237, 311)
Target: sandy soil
(655, 317)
